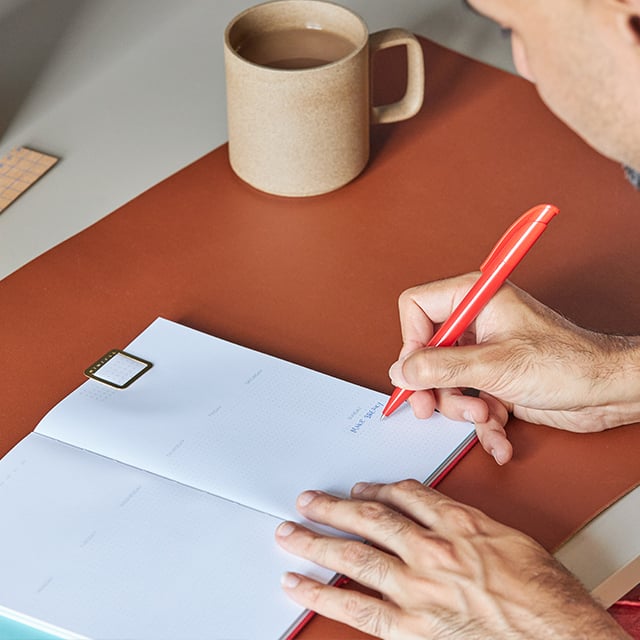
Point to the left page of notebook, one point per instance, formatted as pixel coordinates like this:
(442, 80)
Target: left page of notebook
(100, 549)
(247, 426)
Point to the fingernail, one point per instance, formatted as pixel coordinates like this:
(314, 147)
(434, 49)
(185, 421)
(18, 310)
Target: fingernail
(289, 580)
(395, 373)
(305, 498)
(497, 457)
(469, 418)
(359, 487)
(285, 529)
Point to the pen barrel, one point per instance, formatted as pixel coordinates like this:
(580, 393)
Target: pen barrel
(494, 272)
(467, 311)
(398, 397)
(502, 260)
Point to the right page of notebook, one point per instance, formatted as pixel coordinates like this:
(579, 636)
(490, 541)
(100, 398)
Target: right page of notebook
(247, 426)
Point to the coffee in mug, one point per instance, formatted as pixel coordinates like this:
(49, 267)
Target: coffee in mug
(298, 94)
(295, 48)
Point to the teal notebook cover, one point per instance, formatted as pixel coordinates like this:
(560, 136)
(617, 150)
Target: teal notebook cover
(11, 630)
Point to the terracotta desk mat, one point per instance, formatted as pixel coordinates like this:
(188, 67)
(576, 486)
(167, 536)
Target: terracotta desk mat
(316, 280)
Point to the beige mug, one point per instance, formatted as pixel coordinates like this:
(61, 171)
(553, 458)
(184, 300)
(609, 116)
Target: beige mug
(298, 94)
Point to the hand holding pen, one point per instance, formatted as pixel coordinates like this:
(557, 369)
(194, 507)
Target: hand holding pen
(502, 260)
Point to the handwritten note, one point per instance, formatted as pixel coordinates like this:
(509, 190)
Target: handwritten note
(375, 410)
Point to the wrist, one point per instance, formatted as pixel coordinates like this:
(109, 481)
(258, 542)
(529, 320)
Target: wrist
(618, 377)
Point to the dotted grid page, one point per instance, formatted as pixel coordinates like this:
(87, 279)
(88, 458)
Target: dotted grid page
(103, 550)
(19, 170)
(247, 426)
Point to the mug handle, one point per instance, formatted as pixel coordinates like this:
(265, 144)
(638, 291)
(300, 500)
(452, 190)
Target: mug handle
(412, 100)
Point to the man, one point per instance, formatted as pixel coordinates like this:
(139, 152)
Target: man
(446, 570)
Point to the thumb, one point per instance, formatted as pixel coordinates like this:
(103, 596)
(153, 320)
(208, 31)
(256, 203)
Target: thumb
(443, 368)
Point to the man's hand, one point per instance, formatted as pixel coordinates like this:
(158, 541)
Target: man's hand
(445, 570)
(523, 358)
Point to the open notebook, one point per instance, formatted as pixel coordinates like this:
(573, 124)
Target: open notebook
(149, 512)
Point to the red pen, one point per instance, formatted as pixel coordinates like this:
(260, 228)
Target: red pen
(502, 260)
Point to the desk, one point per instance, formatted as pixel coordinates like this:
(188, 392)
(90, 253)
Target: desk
(316, 281)
(128, 92)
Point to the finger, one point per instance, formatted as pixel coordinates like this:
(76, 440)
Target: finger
(447, 367)
(355, 609)
(491, 432)
(423, 404)
(430, 508)
(488, 415)
(416, 327)
(420, 307)
(367, 565)
(453, 404)
(374, 521)
(409, 497)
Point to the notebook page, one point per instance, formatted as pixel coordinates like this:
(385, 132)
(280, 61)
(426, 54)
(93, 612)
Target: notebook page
(247, 426)
(106, 551)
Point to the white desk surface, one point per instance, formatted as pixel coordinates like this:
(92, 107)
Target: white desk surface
(127, 92)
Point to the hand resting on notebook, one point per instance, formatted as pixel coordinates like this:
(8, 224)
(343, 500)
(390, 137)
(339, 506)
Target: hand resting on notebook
(444, 569)
(523, 357)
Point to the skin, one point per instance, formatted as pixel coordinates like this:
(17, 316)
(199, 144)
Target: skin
(583, 57)
(444, 569)
(528, 360)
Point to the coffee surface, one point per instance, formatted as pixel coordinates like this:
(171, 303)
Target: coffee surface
(295, 48)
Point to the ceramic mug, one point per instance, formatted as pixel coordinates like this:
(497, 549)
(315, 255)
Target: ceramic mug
(298, 94)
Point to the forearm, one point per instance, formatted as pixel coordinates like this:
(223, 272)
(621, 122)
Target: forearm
(563, 610)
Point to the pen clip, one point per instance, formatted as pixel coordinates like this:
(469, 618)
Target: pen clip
(540, 214)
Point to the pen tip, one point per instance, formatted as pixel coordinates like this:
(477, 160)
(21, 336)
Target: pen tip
(382, 417)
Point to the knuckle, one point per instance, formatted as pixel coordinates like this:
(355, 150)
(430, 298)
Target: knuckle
(408, 295)
(366, 563)
(373, 511)
(464, 519)
(386, 520)
(449, 370)
(504, 362)
(444, 550)
(368, 616)
(408, 486)
(318, 548)
(356, 554)
(323, 504)
(435, 369)
(314, 595)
